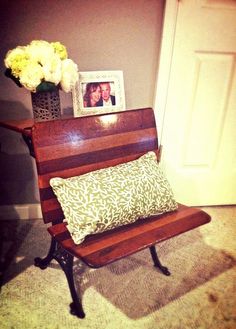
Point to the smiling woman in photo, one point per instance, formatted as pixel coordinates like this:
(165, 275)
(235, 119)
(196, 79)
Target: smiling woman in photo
(92, 94)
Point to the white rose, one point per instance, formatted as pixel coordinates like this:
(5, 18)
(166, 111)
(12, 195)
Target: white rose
(31, 76)
(39, 50)
(69, 75)
(52, 69)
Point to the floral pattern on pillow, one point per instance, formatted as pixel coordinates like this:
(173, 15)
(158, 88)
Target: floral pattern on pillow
(114, 196)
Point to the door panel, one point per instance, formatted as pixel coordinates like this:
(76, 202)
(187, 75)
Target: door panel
(199, 128)
(213, 72)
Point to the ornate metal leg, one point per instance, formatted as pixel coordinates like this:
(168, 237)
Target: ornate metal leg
(28, 142)
(157, 262)
(44, 262)
(66, 262)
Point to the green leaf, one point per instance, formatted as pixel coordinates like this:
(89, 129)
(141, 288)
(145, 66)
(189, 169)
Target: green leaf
(46, 86)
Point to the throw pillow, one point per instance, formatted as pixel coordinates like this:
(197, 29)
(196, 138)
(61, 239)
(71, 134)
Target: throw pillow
(114, 196)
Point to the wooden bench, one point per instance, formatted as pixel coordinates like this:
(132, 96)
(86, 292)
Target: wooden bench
(76, 146)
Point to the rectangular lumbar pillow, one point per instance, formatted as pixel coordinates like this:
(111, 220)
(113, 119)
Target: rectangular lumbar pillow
(114, 196)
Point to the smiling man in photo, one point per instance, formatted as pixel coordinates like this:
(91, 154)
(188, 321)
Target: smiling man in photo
(106, 98)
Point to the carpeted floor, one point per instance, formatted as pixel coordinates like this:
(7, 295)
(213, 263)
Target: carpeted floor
(200, 293)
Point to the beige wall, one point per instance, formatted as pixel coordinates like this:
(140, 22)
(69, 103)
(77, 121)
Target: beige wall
(99, 35)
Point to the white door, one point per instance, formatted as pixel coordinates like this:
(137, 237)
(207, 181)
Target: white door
(197, 114)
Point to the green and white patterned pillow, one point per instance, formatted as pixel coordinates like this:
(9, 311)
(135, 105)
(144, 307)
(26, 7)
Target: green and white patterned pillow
(114, 196)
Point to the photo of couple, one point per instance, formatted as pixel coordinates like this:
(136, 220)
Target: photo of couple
(99, 94)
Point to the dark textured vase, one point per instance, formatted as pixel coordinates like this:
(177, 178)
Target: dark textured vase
(46, 105)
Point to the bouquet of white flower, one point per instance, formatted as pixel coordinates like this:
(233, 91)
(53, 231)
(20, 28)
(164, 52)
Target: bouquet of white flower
(41, 66)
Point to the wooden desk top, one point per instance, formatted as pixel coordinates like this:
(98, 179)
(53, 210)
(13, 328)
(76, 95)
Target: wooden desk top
(22, 126)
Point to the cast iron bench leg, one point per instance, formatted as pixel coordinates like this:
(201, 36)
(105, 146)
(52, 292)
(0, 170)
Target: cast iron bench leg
(66, 262)
(157, 262)
(43, 263)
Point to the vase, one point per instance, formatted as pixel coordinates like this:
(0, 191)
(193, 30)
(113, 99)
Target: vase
(46, 105)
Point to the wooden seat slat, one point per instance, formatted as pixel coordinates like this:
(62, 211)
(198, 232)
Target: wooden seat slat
(104, 248)
(53, 152)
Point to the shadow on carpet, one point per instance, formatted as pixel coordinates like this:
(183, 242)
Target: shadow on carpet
(132, 284)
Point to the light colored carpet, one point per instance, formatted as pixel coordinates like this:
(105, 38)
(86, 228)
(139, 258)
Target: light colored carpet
(131, 293)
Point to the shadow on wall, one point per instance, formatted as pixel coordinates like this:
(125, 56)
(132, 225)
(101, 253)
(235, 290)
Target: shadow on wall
(13, 111)
(17, 181)
(17, 169)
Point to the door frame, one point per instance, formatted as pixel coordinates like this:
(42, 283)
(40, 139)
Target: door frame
(165, 61)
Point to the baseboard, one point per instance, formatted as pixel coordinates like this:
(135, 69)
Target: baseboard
(22, 211)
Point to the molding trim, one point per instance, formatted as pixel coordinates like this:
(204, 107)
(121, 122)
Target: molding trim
(165, 60)
(22, 211)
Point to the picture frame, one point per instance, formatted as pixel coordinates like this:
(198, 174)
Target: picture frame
(98, 83)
